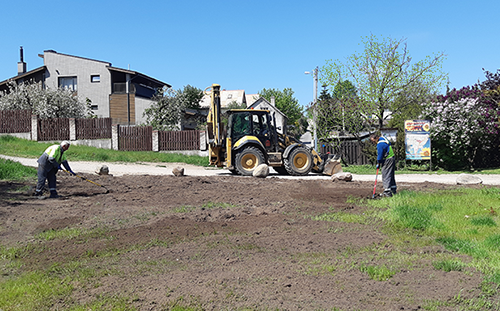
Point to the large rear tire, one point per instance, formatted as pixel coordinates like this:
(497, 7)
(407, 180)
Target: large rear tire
(299, 162)
(248, 159)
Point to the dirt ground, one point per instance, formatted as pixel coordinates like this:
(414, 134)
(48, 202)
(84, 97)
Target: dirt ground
(225, 243)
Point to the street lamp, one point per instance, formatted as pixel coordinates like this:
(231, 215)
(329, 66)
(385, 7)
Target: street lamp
(315, 88)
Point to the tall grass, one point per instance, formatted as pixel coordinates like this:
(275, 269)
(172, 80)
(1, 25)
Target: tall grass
(14, 171)
(13, 146)
(463, 220)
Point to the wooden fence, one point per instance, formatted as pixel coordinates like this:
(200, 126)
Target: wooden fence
(179, 140)
(53, 129)
(95, 128)
(350, 152)
(15, 121)
(135, 138)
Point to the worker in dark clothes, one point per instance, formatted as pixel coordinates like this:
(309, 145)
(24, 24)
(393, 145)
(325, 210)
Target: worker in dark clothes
(48, 165)
(386, 160)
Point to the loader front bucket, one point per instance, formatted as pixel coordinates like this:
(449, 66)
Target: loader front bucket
(332, 167)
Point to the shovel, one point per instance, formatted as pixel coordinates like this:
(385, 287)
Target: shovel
(375, 187)
(90, 181)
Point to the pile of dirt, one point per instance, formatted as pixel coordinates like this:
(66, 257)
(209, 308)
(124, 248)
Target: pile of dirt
(225, 243)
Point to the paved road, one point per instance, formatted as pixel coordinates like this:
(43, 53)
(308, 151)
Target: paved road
(118, 169)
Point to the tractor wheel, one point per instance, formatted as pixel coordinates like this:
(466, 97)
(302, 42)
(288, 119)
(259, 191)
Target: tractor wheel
(234, 171)
(248, 159)
(299, 162)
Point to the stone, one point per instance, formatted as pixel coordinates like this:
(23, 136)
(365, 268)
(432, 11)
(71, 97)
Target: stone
(261, 171)
(343, 176)
(467, 179)
(104, 170)
(178, 171)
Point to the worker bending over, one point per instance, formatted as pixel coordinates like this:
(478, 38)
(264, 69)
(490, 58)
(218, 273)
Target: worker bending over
(385, 159)
(48, 165)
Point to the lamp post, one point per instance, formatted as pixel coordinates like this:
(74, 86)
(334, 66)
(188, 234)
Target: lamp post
(315, 88)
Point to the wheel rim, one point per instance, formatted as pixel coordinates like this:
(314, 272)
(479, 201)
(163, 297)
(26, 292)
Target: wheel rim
(249, 161)
(301, 160)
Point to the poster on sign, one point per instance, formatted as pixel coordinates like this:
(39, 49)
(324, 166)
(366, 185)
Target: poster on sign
(417, 139)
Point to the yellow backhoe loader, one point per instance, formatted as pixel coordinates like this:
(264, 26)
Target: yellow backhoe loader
(250, 138)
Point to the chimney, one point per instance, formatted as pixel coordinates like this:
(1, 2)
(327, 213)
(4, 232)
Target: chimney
(273, 101)
(21, 66)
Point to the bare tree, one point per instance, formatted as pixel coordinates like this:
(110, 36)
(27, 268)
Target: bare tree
(384, 72)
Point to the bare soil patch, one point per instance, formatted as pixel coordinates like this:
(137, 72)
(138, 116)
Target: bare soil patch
(225, 243)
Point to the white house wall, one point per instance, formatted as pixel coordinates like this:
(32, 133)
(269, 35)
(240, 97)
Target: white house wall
(141, 104)
(60, 65)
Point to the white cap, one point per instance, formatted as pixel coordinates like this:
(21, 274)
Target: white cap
(65, 143)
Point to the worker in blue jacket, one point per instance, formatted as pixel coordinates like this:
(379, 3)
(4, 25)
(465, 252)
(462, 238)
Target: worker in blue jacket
(386, 160)
(48, 165)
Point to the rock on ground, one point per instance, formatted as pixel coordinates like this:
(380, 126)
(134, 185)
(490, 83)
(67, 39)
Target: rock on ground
(261, 171)
(178, 171)
(344, 176)
(467, 179)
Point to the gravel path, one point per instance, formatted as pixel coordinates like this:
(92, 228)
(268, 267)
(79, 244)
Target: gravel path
(119, 169)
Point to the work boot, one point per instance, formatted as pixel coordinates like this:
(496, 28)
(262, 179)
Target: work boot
(386, 194)
(53, 194)
(38, 193)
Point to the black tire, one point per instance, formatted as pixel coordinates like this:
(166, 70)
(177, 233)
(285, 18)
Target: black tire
(299, 162)
(248, 159)
(234, 172)
(280, 170)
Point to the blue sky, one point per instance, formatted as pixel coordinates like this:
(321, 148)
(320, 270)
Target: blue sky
(248, 45)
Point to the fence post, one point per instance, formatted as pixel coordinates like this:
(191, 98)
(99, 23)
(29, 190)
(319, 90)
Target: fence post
(34, 127)
(115, 130)
(203, 140)
(156, 141)
(72, 129)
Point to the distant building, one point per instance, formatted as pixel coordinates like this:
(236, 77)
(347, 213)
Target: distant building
(276, 114)
(105, 85)
(226, 98)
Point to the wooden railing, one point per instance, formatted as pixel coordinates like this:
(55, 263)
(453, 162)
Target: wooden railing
(15, 121)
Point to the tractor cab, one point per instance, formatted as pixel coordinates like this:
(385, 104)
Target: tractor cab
(251, 126)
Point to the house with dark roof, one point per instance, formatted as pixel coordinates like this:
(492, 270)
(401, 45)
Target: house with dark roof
(121, 94)
(280, 118)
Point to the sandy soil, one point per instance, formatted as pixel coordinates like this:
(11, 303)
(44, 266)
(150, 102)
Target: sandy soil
(224, 242)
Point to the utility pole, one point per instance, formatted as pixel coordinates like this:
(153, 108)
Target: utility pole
(315, 101)
(314, 109)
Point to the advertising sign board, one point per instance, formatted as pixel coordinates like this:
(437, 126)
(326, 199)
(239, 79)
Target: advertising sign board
(417, 139)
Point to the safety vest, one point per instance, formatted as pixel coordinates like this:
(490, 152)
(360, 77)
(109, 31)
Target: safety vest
(56, 152)
(389, 153)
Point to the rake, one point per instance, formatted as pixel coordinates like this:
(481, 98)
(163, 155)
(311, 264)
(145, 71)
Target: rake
(90, 181)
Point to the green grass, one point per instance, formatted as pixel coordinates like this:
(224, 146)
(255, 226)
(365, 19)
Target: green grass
(371, 170)
(13, 146)
(464, 221)
(14, 171)
(449, 265)
(32, 291)
(377, 273)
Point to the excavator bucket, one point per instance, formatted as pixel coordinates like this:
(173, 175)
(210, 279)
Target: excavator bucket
(332, 167)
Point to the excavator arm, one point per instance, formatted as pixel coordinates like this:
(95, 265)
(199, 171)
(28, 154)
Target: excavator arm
(214, 127)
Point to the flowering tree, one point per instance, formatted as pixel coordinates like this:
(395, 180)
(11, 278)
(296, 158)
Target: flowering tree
(464, 123)
(46, 103)
(166, 112)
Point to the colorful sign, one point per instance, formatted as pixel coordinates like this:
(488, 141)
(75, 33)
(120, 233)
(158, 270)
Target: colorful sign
(417, 139)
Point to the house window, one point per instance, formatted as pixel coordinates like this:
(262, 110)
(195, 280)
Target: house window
(95, 78)
(68, 83)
